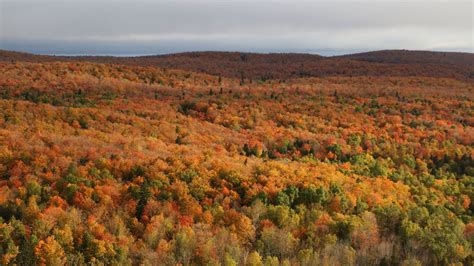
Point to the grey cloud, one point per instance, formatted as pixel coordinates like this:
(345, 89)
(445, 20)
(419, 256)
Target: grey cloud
(259, 26)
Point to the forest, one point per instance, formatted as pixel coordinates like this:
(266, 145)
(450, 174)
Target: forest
(125, 164)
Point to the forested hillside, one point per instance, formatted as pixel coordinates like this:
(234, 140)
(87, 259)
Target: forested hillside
(107, 164)
(261, 67)
(415, 57)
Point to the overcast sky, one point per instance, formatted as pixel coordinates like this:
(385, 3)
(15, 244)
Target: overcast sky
(156, 27)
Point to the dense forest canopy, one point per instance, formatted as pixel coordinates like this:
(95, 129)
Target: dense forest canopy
(388, 63)
(110, 164)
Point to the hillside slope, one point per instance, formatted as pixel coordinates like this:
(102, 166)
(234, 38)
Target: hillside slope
(259, 67)
(124, 165)
(415, 57)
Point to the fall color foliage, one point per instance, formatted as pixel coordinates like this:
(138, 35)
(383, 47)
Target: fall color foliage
(126, 165)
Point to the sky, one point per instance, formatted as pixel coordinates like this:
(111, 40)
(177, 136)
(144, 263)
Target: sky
(157, 27)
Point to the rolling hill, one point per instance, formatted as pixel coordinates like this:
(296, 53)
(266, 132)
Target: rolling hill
(115, 161)
(258, 67)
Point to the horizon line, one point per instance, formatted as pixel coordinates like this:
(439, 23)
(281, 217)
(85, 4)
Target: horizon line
(138, 55)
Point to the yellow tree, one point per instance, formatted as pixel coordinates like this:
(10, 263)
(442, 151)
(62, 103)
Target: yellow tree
(50, 252)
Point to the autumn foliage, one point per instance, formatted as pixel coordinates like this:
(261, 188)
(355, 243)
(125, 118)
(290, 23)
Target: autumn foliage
(128, 165)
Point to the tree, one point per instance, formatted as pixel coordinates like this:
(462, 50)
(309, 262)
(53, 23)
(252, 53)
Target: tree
(271, 261)
(229, 261)
(278, 242)
(311, 195)
(389, 218)
(254, 259)
(8, 249)
(185, 244)
(443, 235)
(50, 252)
(282, 199)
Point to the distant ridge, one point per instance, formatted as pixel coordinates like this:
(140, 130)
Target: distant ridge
(414, 57)
(290, 65)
